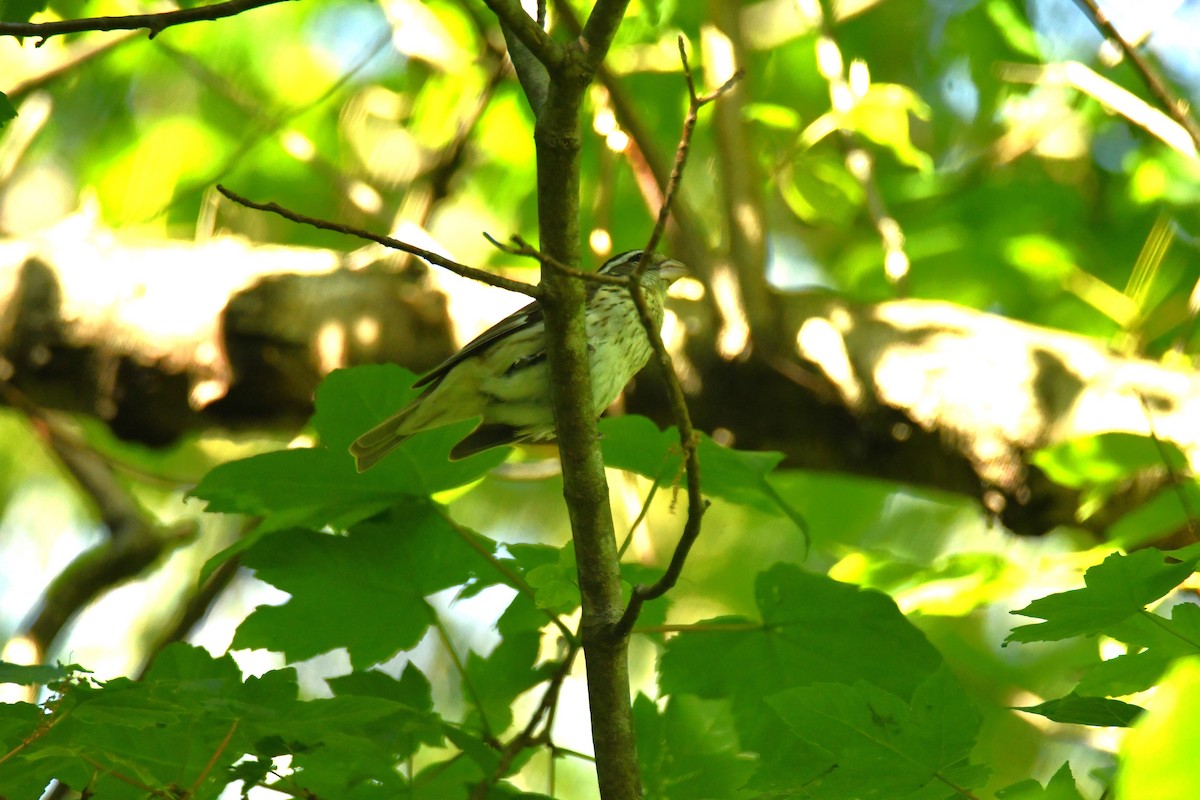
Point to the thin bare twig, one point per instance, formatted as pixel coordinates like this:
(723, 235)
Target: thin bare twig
(520, 247)
(647, 162)
(696, 102)
(75, 56)
(1175, 106)
(387, 241)
(461, 669)
(155, 23)
(638, 520)
(688, 438)
(118, 775)
(528, 736)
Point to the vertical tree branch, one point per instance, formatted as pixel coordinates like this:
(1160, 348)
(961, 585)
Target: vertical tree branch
(584, 484)
(558, 139)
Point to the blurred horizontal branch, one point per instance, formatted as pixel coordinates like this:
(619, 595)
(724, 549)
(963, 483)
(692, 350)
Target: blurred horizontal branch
(192, 336)
(234, 336)
(1122, 101)
(134, 543)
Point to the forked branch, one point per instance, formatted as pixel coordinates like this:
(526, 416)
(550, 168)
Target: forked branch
(688, 439)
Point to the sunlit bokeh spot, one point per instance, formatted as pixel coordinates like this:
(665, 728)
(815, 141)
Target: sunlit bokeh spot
(600, 241)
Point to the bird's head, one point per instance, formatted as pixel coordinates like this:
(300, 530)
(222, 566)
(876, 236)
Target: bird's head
(659, 269)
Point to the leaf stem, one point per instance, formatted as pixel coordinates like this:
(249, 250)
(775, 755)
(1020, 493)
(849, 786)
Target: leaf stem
(468, 685)
(212, 761)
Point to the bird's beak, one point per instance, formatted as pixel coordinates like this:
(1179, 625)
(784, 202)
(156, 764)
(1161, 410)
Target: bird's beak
(671, 270)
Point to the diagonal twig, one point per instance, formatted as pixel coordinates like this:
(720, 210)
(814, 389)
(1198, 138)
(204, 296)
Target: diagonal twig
(135, 541)
(155, 23)
(648, 164)
(1174, 105)
(600, 29)
(529, 735)
(75, 56)
(688, 438)
(696, 102)
(387, 241)
(520, 247)
(475, 698)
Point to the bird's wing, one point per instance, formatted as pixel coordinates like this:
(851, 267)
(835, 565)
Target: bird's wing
(531, 314)
(528, 316)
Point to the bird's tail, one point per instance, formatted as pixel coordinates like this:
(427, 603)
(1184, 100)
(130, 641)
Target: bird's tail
(376, 443)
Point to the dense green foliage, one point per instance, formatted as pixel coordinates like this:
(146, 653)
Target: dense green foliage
(820, 688)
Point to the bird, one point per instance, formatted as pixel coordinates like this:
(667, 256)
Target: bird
(502, 375)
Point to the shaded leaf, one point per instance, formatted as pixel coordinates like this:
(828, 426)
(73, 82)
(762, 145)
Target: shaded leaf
(636, 444)
(1164, 640)
(1060, 787)
(551, 571)
(319, 485)
(1105, 458)
(29, 674)
(881, 746)
(1116, 589)
(691, 750)
(1099, 711)
(387, 566)
(7, 112)
(812, 630)
(412, 689)
(508, 671)
(20, 10)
